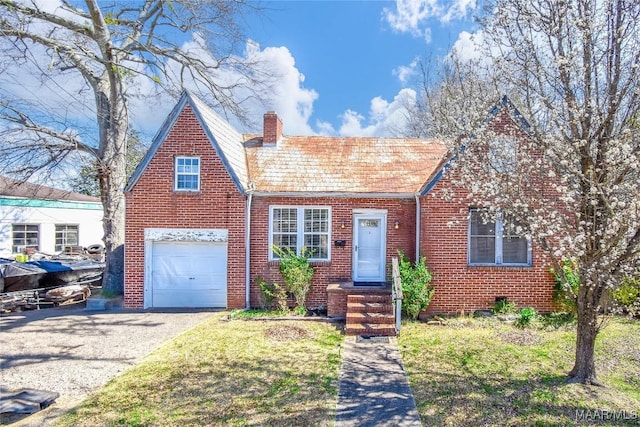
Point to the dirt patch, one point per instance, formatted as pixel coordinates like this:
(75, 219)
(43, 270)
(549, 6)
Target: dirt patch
(520, 337)
(286, 333)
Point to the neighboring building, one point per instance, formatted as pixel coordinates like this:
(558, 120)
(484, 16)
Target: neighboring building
(45, 219)
(207, 203)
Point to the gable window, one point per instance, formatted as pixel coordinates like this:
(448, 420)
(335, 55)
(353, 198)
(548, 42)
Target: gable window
(502, 154)
(300, 227)
(66, 235)
(187, 174)
(25, 236)
(497, 242)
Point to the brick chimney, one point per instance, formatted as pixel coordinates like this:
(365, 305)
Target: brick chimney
(272, 129)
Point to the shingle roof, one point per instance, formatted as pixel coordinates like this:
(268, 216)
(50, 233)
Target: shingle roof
(311, 164)
(27, 190)
(225, 138)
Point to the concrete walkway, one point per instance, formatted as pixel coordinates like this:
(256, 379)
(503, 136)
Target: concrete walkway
(374, 390)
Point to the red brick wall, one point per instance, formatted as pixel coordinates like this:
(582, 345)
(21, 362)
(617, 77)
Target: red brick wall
(154, 204)
(444, 243)
(340, 265)
(458, 286)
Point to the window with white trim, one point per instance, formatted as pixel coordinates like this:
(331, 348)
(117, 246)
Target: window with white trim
(66, 235)
(25, 236)
(497, 241)
(300, 228)
(187, 174)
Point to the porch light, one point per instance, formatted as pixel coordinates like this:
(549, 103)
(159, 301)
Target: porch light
(396, 224)
(342, 224)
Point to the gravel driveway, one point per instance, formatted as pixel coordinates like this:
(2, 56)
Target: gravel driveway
(75, 352)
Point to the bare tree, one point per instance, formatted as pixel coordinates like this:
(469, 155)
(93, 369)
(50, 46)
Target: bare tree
(572, 67)
(96, 54)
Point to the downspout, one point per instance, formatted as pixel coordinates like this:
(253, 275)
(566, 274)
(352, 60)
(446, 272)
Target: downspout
(417, 226)
(247, 251)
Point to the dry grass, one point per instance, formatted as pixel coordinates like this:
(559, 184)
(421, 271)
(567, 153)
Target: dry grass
(231, 373)
(486, 373)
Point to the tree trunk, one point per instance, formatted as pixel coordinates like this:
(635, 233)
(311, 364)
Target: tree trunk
(113, 225)
(113, 124)
(584, 370)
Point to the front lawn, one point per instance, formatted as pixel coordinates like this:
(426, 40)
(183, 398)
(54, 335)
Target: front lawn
(227, 373)
(475, 372)
(471, 372)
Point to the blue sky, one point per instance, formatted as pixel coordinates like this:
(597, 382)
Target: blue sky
(344, 67)
(354, 58)
(347, 50)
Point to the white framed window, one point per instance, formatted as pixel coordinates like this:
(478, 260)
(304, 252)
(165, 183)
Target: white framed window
(300, 228)
(25, 236)
(497, 242)
(66, 235)
(187, 174)
(502, 154)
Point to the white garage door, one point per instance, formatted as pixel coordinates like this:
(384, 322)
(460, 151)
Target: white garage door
(189, 274)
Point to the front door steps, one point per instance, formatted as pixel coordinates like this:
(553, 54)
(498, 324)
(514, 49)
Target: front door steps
(370, 315)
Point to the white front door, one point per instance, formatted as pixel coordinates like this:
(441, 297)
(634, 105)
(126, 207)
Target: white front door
(369, 249)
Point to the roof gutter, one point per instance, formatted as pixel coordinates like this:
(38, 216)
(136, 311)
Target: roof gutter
(247, 251)
(417, 196)
(311, 194)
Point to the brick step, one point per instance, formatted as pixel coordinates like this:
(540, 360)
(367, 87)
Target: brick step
(371, 330)
(372, 318)
(369, 298)
(369, 307)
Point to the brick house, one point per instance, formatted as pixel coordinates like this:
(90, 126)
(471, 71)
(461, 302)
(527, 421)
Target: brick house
(207, 203)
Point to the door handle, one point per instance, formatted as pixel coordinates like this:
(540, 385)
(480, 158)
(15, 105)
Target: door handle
(356, 248)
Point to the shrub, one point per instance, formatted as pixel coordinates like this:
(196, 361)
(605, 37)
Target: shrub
(558, 320)
(504, 306)
(526, 317)
(627, 296)
(272, 295)
(296, 273)
(416, 285)
(566, 287)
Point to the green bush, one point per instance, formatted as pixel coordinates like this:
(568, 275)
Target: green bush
(627, 296)
(504, 306)
(296, 273)
(566, 287)
(272, 295)
(558, 320)
(526, 317)
(416, 285)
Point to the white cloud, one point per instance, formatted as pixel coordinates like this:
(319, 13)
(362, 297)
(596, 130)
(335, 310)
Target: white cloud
(385, 118)
(458, 10)
(283, 91)
(287, 95)
(325, 128)
(411, 16)
(427, 35)
(404, 73)
(468, 46)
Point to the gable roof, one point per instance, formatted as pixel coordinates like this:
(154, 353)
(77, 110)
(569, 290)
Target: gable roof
(354, 165)
(514, 114)
(225, 140)
(27, 190)
(308, 165)
(508, 106)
